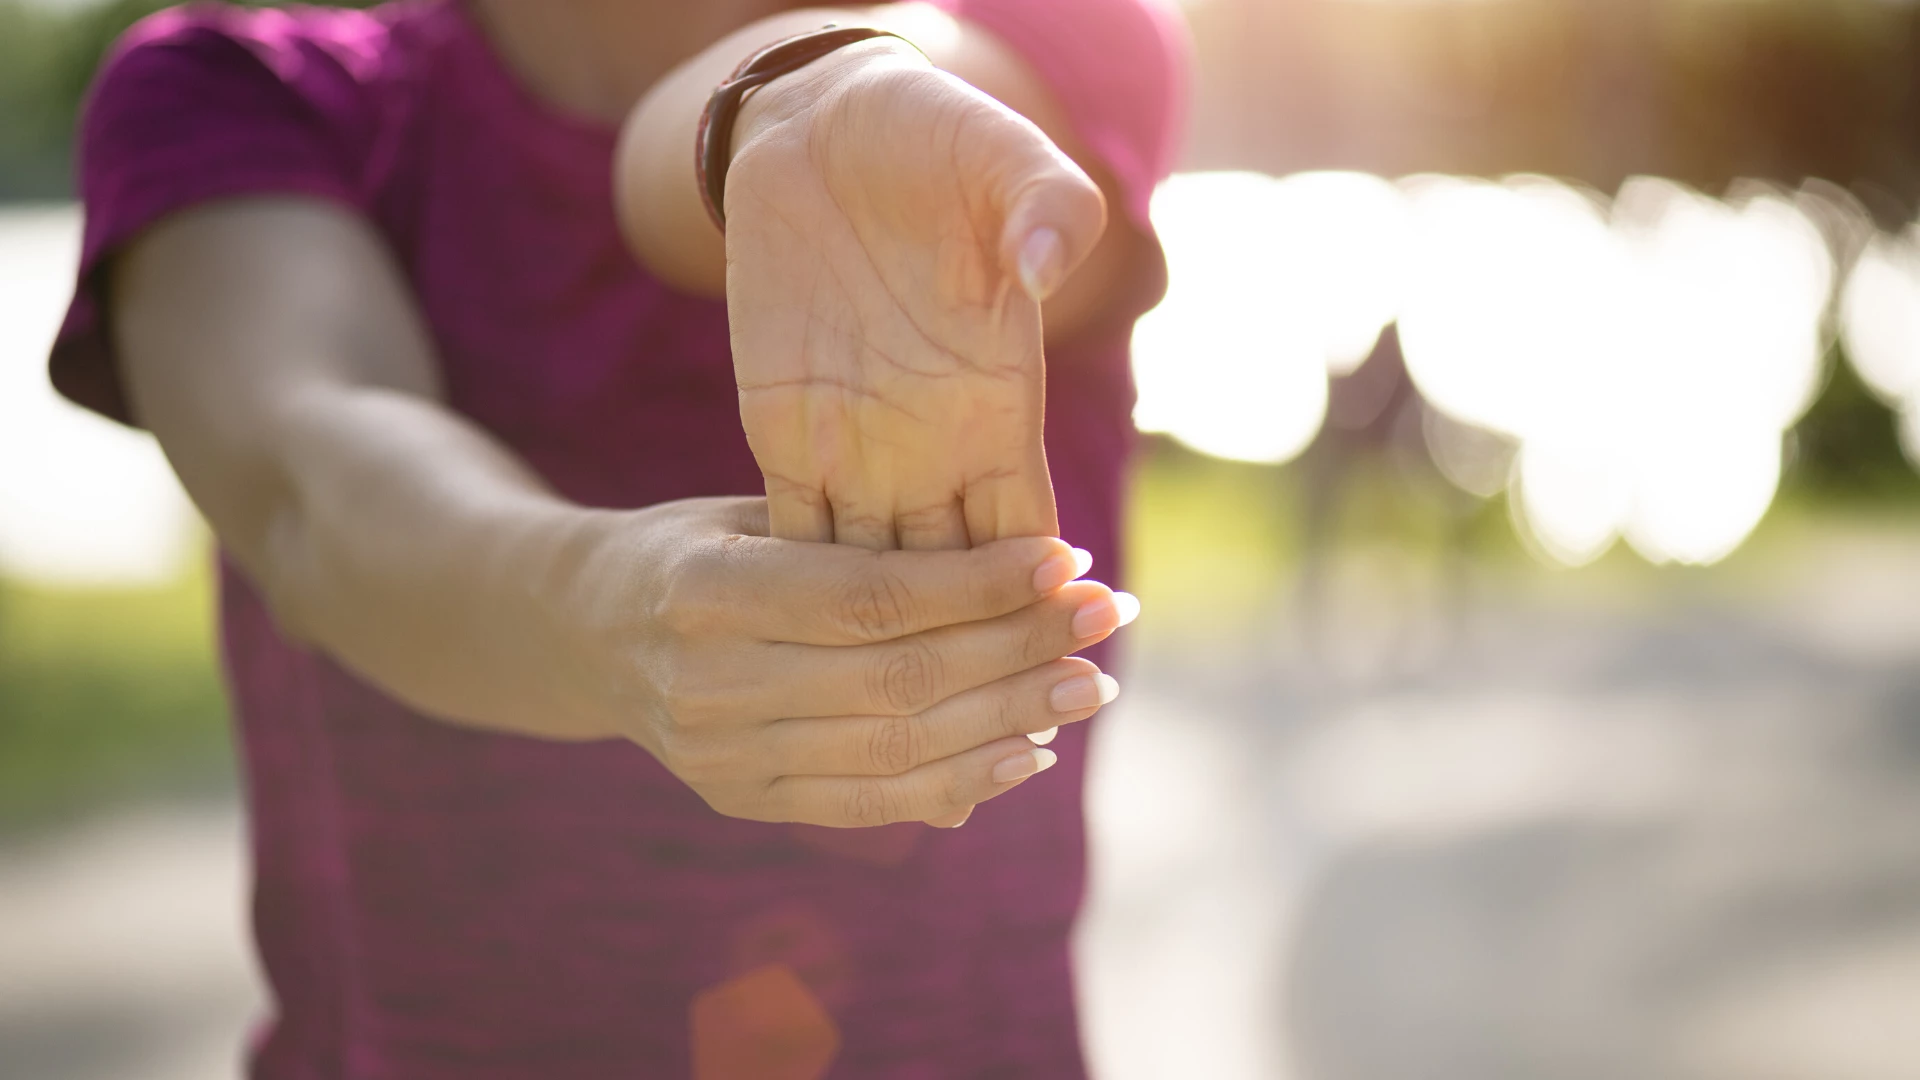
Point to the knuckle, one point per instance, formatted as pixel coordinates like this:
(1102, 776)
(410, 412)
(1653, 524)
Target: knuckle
(719, 801)
(1008, 715)
(681, 750)
(691, 704)
(690, 603)
(684, 705)
(957, 793)
(698, 763)
(875, 606)
(908, 678)
(1038, 642)
(868, 805)
(891, 748)
(729, 802)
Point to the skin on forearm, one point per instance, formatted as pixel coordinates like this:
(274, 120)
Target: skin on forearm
(379, 525)
(413, 548)
(659, 200)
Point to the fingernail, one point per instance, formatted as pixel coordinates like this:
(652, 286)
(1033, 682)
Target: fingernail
(1061, 569)
(1083, 692)
(1040, 260)
(1105, 615)
(1042, 738)
(1024, 764)
(1096, 617)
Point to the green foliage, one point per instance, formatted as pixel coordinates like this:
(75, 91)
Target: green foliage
(1847, 448)
(106, 692)
(48, 57)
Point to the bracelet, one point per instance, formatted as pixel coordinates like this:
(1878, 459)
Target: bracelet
(713, 142)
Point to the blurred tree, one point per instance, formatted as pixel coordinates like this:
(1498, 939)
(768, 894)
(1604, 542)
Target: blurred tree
(1595, 91)
(1847, 447)
(48, 55)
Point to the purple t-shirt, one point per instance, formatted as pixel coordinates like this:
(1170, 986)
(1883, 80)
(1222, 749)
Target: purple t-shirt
(433, 901)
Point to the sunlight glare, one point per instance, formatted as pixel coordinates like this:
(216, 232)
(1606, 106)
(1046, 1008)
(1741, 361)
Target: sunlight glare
(1880, 322)
(82, 500)
(1648, 360)
(1273, 284)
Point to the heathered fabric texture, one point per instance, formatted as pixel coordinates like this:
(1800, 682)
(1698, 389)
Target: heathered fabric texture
(435, 902)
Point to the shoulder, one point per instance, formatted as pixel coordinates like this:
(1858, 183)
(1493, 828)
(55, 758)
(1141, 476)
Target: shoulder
(211, 71)
(216, 101)
(302, 48)
(1121, 66)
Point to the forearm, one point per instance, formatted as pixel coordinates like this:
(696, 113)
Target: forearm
(415, 549)
(271, 347)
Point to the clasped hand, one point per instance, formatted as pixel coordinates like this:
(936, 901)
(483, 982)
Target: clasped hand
(826, 684)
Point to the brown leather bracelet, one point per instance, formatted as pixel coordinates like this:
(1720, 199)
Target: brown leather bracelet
(713, 142)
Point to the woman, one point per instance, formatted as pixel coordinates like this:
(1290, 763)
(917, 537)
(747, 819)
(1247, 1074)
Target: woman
(542, 718)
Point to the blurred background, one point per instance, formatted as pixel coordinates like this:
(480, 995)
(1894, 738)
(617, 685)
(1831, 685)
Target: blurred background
(1527, 533)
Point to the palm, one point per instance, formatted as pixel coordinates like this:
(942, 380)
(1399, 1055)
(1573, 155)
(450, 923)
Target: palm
(890, 372)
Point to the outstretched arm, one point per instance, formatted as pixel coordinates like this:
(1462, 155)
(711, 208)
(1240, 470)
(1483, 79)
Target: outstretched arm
(273, 347)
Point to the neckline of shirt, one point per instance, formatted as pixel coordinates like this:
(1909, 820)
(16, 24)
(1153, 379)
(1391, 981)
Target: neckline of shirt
(577, 146)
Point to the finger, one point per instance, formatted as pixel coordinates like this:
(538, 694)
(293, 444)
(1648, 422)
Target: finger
(831, 594)
(911, 675)
(1053, 216)
(951, 821)
(932, 791)
(940, 527)
(1015, 503)
(856, 523)
(798, 512)
(1064, 691)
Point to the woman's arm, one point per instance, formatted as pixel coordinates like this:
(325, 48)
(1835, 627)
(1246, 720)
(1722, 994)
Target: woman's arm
(660, 203)
(272, 347)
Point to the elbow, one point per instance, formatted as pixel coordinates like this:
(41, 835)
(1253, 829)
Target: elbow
(284, 572)
(270, 543)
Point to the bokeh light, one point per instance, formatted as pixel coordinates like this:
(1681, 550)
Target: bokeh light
(1625, 367)
(82, 500)
(1648, 360)
(1880, 322)
(1272, 285)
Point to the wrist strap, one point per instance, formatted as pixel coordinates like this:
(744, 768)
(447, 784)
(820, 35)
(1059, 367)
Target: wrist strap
(713, 142)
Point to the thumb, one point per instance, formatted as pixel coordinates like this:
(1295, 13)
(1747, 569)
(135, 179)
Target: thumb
(1053, 216)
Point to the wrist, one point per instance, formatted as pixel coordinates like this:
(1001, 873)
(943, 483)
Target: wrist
(796, 95)
(576, 571)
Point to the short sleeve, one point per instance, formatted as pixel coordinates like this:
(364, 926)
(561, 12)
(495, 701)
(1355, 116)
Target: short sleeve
(1119, 68)
(202, 103)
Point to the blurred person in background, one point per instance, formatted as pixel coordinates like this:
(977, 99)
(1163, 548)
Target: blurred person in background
(479, 478)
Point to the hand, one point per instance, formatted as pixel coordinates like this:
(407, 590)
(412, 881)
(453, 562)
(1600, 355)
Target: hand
(891, 231)
(824, 684)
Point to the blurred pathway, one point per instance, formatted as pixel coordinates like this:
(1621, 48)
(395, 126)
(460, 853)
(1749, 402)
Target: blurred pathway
(1564, 836)
(121, 949)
